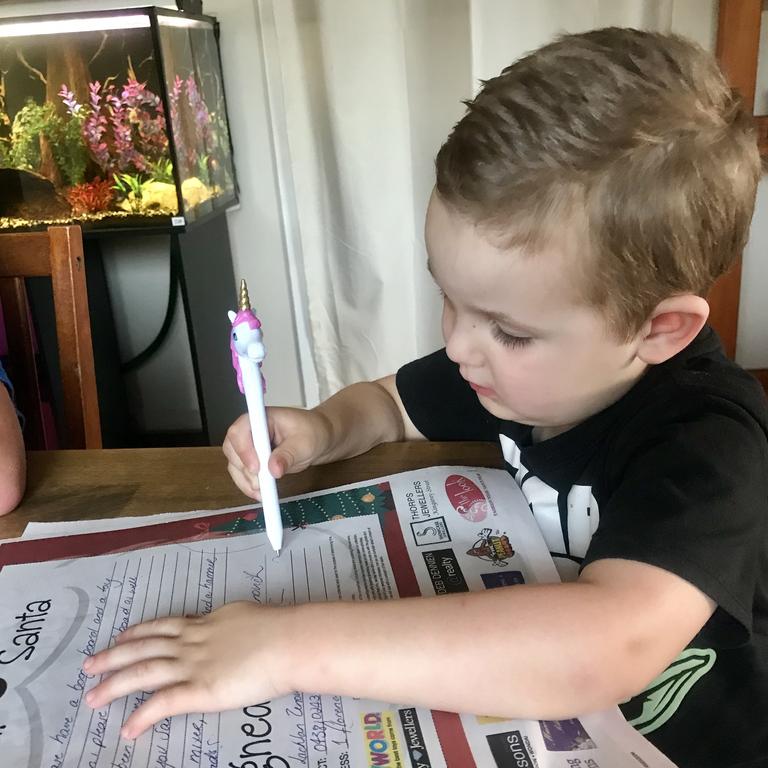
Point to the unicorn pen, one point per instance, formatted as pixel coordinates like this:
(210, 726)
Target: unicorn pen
(247, 355)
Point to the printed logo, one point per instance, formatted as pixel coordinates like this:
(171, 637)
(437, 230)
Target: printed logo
(414, 739)
(432, 531)
(565, 735)
(502, 579)
(467, 499)
(652, 708)
(493, 547)
(444, 571)
(509, 750)
(382, 748)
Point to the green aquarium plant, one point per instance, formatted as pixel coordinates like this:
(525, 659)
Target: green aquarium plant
(129, 187)
(161, 170)
(5, 127)
(35, 121)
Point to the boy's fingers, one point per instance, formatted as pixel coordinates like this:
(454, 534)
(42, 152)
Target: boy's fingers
(122, 655)
(238, 445)
(173, 700)
(148, 675)
(231, 454)
(242, 481)
(169, 626)
(281, 461)
(236, 459)
(277, 465)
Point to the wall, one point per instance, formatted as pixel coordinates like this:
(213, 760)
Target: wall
(751, 344)
(257, 228)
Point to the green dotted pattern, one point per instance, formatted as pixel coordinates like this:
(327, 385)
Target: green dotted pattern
(366, 500)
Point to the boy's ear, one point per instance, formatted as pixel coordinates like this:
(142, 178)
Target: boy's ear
(672, 326)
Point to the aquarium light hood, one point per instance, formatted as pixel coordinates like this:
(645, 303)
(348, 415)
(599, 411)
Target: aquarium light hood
(80, 24)
(179, 21)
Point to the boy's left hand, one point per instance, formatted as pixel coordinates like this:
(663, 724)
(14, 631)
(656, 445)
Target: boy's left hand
(232, 657)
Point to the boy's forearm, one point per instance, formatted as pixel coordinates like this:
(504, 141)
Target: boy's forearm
(358, 418)
(13, 465)
(550, 650)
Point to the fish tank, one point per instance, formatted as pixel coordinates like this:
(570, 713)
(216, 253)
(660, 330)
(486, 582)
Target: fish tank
(113, 120)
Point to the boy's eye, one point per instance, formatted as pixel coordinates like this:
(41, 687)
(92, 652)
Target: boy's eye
(508, 340)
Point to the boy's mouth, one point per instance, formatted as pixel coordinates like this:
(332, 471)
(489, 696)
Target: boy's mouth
(482, 391)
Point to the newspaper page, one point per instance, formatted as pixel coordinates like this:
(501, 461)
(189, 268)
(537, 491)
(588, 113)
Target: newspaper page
(427, 532)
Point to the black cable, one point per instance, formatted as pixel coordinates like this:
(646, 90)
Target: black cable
(173, 292)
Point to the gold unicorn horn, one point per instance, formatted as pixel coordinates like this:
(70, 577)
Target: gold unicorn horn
(245, 302)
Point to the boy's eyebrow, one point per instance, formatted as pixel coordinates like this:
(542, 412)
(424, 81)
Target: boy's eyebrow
(498, 317)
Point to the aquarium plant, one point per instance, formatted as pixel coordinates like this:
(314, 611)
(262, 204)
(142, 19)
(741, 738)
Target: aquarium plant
(92, 196)
(34, 121)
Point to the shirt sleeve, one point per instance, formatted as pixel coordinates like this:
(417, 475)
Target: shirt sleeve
(6, 381)
(692, 498)
(440, 403)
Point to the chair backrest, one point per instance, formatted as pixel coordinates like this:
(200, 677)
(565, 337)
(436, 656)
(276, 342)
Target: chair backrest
(58, 254)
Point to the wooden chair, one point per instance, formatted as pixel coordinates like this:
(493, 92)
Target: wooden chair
(58, 254)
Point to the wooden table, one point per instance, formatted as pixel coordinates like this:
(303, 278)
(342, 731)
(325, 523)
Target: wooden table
(79, 485)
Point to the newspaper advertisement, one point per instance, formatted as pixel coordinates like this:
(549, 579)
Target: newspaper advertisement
(433, 531)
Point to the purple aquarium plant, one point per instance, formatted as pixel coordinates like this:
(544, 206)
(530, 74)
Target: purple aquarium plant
(200, 114)
(124, 129)
(95, 126)
(185, 111)
(74, 108)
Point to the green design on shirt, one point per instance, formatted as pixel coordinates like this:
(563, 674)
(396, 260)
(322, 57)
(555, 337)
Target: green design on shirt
(665, 694)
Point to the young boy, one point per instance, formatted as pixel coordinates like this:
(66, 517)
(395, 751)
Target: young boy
(583, 207)
(13, 460)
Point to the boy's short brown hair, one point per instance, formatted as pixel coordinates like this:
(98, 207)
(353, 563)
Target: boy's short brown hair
(637, 137)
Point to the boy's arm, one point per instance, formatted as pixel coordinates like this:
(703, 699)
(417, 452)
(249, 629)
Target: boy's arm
(363, 415)
(531, 651)
(349, 423)
(554, 650)
(13, 466)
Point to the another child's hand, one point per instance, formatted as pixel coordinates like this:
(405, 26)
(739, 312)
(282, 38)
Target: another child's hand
(230, 658)
(298, 438)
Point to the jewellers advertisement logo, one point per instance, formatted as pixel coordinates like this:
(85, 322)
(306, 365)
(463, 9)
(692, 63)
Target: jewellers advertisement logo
(467, 499)
(430, 532)
(414, 739)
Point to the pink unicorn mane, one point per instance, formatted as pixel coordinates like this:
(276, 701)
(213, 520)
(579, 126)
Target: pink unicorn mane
(243, 316)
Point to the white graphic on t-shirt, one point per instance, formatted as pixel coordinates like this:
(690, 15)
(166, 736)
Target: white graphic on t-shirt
(543, 502)
(582, 517)
(512, 456)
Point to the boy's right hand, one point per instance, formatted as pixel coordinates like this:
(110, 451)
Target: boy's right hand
(299, 437)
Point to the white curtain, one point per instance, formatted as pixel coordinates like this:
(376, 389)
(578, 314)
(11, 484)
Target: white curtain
(361, 95)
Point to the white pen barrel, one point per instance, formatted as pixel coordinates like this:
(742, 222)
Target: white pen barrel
(254, 397)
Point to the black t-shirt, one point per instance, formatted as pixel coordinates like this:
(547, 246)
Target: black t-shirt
(674, 474)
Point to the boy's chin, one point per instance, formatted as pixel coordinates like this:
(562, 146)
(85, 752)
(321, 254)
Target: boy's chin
(499, 410)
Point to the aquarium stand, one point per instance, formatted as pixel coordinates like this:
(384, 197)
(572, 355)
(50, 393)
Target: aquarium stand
(208, 291)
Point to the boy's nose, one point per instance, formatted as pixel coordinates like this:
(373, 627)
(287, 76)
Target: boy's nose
(460, 347)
